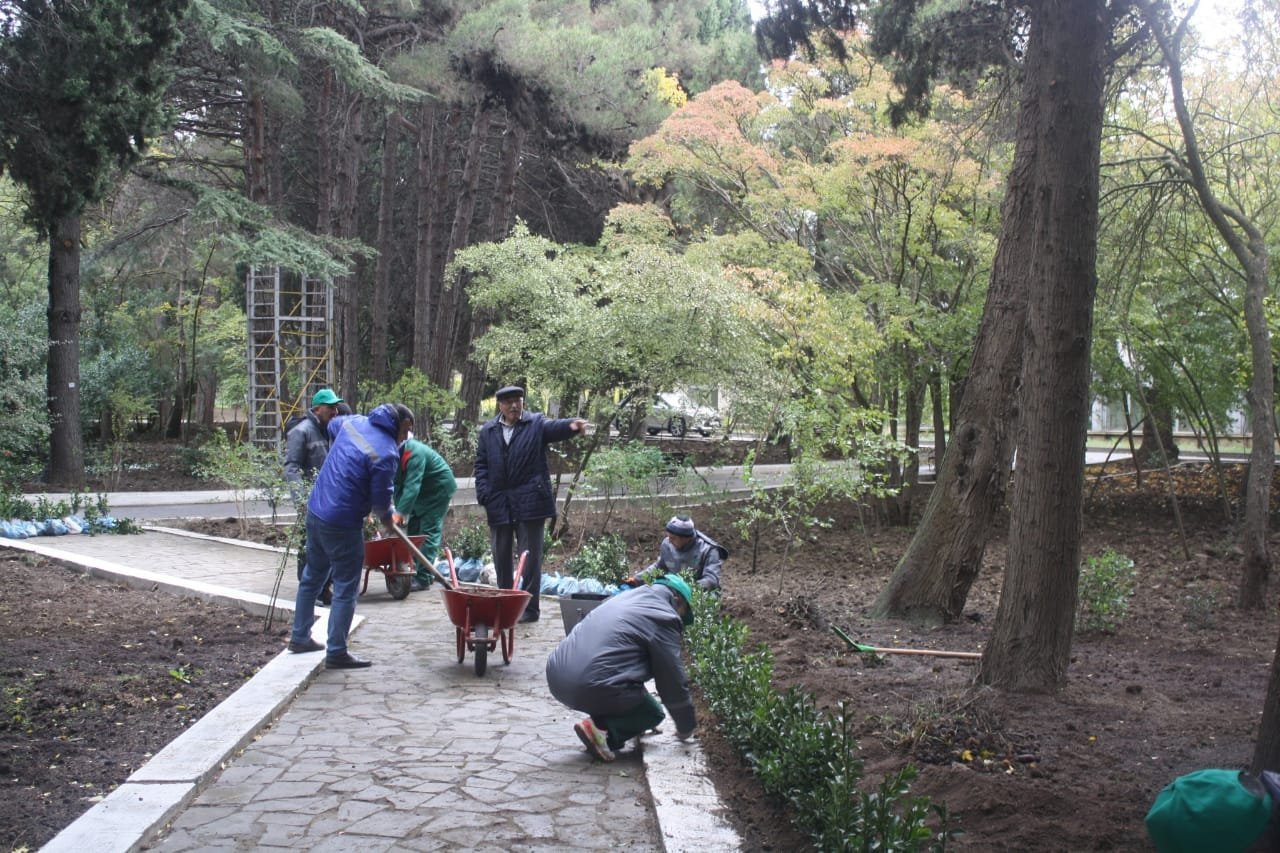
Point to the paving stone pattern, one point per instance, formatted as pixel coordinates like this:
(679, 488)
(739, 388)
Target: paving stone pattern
(414, 753)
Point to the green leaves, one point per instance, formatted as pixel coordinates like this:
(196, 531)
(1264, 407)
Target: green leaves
(804, 755)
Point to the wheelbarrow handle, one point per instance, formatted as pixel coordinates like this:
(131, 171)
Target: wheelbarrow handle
(404, 537)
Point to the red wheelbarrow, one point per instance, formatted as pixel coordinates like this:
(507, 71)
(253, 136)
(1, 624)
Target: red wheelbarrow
(484, 618)
(394, 559)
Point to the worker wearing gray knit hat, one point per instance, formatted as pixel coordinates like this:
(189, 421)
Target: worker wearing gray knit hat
(687, 550)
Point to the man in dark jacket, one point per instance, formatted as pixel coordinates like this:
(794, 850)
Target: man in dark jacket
(602, 666)
(513, 484)
(357, 478)
(307, 443)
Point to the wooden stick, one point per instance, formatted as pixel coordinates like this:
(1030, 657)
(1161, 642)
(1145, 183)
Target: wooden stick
(880, 650)
(414, 548)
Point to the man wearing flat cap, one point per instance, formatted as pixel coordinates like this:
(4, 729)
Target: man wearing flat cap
(513, 484)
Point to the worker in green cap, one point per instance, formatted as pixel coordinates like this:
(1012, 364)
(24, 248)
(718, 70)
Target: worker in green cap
(602, 666)
(1226, 811)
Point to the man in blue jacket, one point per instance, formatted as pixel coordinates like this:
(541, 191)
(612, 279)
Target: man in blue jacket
(357, 477)
(513, 484)
(602, 666)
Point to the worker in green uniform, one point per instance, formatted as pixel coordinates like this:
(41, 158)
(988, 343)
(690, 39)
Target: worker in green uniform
(424, 486)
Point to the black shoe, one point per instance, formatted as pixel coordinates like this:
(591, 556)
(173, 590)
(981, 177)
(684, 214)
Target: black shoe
(528, 616)
(309, 646)
(346, 660)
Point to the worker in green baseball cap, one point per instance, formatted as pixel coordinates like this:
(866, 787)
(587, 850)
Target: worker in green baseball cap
(602, 666)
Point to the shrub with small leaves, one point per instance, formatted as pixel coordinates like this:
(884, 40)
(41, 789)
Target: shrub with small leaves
(804, 755)
(470, 543)
(602, 557)
(1106, 585)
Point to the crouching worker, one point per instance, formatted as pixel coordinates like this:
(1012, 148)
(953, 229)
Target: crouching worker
(602, 666)
(687, 550)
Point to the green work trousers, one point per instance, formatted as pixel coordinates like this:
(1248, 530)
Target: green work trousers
(621, 728)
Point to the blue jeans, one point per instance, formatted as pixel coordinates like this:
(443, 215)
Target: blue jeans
(521, 536)
(337, 553)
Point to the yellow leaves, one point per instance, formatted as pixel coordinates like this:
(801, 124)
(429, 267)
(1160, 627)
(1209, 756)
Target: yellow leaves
(666, 85)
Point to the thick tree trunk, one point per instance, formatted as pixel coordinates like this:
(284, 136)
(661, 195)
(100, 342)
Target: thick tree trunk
(381, 324)
(932, 581)
(1257, 533)
(452, 304)
(347, 187)
(474, 372)
(1030, 645)
(427, 191)
(1266, 749)
(66, 443)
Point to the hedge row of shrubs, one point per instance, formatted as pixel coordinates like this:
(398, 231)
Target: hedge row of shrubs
(801, 754)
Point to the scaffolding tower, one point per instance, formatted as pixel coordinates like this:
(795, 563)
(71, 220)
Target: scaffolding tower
(291, 355)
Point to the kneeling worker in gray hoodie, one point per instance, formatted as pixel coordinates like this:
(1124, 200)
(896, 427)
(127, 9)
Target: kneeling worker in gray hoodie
(602, 666)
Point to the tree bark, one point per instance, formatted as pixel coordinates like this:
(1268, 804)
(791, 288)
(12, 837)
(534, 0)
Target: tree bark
(931, 583)
(452, 304)
(425, 177)
(1030, 645)
(474, 371)
(66, 443)
(1266, 749)
(380, 369)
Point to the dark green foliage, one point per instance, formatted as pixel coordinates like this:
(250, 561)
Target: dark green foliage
(602, 557)
(23, 428)
(470, 543)
(82, 84)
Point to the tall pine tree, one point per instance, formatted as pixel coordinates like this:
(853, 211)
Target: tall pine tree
(82, 83)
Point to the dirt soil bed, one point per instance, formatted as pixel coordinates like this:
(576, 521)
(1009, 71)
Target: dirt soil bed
(95, 678)
(1178, 686)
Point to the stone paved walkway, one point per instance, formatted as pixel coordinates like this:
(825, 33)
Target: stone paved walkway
(416, 752)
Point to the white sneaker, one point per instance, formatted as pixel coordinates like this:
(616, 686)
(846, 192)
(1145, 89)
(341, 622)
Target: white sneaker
(593, 739)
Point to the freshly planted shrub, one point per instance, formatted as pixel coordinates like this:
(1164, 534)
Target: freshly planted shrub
(470, 543)
(807, 756)
(603, 558)
(1106, 585)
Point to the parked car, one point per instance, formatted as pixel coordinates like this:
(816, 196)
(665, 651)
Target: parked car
(676, 414)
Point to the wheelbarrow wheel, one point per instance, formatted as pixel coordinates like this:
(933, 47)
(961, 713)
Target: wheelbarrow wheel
(482, 648)
(399, 586)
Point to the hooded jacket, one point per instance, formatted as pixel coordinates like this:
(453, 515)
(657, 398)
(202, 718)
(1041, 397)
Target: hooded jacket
(602, 666)
(358, 474)
(701, 558)
(513, 481)
(306, 446)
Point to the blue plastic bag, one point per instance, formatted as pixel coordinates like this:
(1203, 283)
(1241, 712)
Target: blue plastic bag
(468, 570)
(591, 585)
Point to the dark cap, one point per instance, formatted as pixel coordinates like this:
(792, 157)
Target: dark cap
(508, 391)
